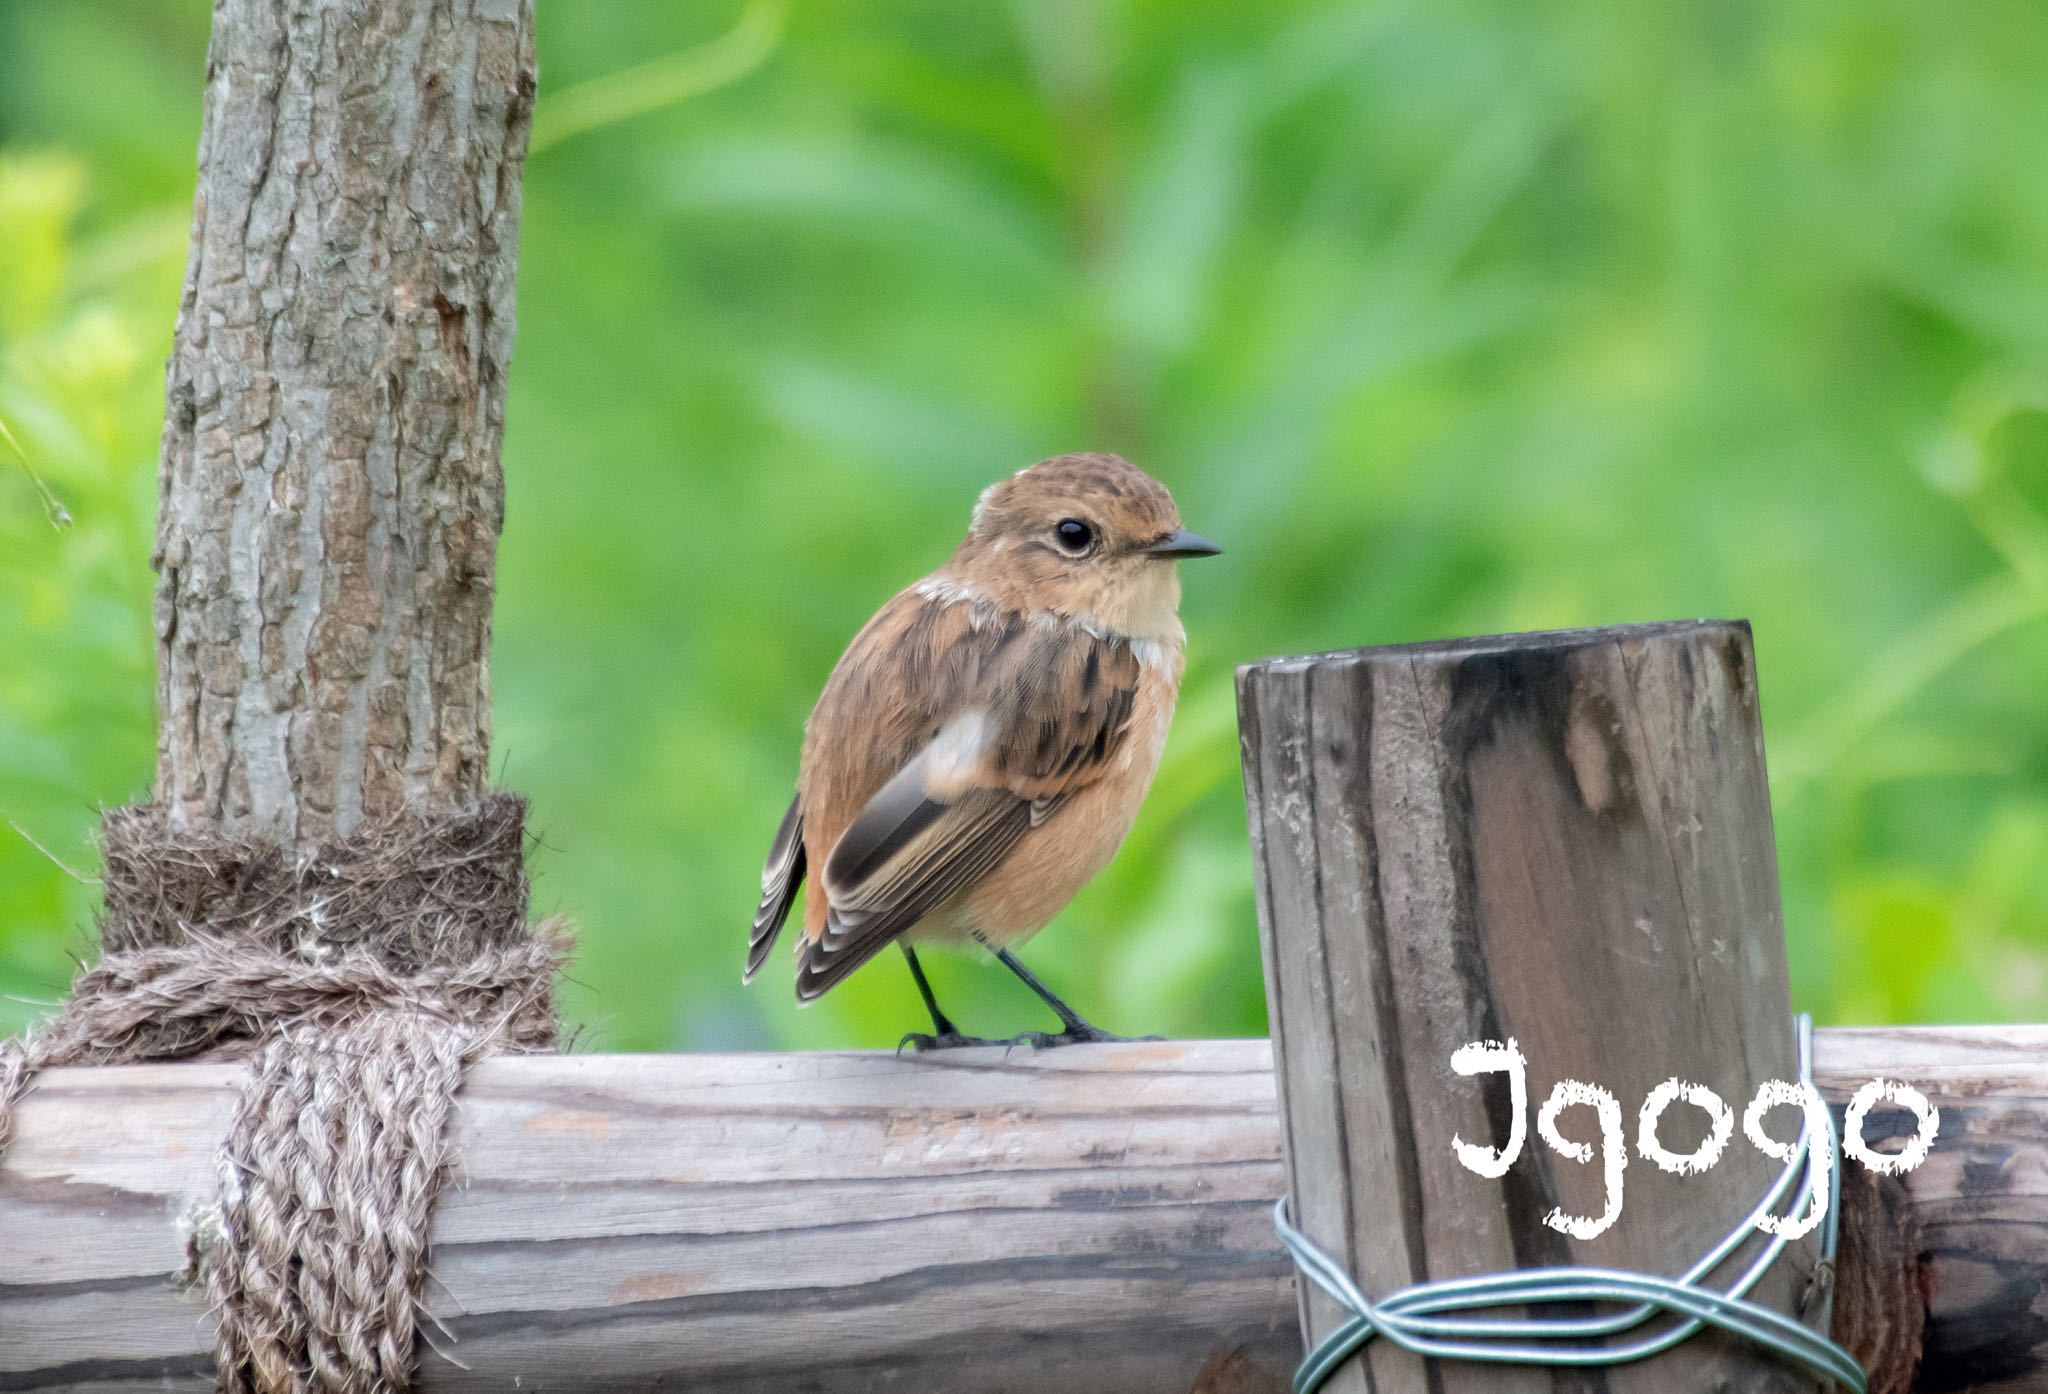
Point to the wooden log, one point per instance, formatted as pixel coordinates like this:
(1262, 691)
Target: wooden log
(847, 1223)
(968, 1222)
(1979, 1203)
(1560, 839)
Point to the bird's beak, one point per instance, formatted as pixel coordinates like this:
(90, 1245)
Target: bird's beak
(1182, 543)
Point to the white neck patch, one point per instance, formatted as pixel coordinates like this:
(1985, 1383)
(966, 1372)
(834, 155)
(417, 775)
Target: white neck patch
(950, 592)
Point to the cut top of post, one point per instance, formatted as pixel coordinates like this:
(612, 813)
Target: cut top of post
(1538, 640)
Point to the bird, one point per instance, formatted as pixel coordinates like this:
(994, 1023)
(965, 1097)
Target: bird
(983, 746)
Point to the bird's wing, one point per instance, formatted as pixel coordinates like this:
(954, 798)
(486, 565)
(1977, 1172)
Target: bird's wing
(1045, 716)
(780, 877)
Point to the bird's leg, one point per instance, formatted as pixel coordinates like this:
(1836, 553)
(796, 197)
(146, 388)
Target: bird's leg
(1077, 1030)
(944, 1034)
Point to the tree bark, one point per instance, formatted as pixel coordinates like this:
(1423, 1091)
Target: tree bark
(330, 487)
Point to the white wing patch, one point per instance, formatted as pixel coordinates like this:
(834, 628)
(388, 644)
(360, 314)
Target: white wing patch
(954, 756)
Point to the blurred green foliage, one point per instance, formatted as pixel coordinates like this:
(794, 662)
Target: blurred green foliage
(1447, 316)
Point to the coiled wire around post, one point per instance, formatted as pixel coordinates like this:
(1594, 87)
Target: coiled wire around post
(1416, 1320)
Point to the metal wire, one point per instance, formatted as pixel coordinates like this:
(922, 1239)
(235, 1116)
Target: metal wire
(1414, 1318)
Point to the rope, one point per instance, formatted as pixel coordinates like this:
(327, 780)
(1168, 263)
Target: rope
(1412, 1320)
(361, 981)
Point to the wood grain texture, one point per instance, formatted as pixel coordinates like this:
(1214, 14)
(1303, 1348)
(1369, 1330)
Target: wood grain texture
(1881, 1280)
(330, 488)
(1979, 1203)
(1094, 1219)
(1563, 839)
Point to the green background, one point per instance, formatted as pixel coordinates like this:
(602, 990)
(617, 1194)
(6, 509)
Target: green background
(1444, 316)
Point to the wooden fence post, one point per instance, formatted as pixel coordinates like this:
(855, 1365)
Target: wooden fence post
(1563, 839)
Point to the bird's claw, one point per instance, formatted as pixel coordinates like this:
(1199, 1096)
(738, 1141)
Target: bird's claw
(921, 1041)
(1083, 1034)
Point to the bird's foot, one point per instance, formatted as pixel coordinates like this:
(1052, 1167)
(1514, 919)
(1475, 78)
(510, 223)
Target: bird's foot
(950, 1039)
(1079, 1033)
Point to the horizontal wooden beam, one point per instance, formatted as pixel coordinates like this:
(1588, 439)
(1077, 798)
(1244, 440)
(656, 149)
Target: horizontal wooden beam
(1095, 1217)
(967, 1221)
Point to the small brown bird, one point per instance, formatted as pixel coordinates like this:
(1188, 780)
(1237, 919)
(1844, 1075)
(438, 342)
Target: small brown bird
(985, 742)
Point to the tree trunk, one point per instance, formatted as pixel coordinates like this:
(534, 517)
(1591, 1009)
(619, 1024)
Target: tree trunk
(330, 487)
(322, 883)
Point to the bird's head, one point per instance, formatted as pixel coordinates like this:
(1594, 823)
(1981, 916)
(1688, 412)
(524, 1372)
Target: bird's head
(1090, 536)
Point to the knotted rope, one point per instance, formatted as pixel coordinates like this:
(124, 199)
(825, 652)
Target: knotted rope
(361, 980)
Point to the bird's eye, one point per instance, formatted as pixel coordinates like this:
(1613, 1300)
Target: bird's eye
(1074, 535)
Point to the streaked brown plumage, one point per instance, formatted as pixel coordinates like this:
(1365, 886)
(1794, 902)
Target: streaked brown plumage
(985, 743)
